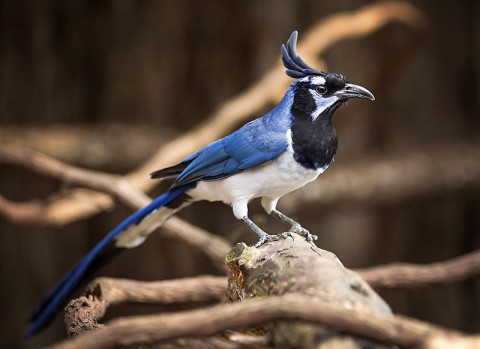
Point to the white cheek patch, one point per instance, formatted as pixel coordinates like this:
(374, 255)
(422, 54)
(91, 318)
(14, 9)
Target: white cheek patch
(322, 103)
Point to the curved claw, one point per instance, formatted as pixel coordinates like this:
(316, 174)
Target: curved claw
(269, 238)
(287, 234)
(304, 232)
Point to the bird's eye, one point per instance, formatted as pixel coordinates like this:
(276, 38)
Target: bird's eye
(321, 89)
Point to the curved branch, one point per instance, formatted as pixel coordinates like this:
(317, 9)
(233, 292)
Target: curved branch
(102, 293)
(82, 314)
(397, 330)
(57, 210)
(391, 180)
(403, 275)
(114, 185)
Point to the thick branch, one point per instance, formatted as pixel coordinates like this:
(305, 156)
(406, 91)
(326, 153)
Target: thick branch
(148, 329)
(84, 313)
(322, 278)
(105, 292)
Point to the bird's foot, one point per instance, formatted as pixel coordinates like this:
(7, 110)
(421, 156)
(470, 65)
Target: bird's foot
(269, 238)
(297, 228)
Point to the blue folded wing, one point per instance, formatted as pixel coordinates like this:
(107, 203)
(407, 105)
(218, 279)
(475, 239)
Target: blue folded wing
(250, 146)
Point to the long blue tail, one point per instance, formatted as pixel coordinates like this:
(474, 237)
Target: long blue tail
(83, 271)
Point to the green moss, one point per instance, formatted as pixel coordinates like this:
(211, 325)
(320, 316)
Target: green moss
(241, 255)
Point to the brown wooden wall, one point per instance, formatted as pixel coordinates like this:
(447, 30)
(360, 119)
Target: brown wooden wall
(103, 84)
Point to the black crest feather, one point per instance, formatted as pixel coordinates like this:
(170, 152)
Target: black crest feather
(296, 67)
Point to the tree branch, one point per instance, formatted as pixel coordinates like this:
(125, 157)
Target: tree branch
(55, 211)
(378, 181)
(403, 275)
(283, 259)
(398, 330)
(82, 314)
(114, 185)
(394, 179)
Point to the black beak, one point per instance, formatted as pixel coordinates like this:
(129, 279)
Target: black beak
(355, 91)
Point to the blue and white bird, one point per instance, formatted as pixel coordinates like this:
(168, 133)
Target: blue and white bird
(266, 158)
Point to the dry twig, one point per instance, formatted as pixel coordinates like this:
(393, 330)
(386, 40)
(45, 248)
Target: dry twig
(403, 275)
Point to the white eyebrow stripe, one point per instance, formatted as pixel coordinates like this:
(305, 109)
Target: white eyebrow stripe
(318, 80)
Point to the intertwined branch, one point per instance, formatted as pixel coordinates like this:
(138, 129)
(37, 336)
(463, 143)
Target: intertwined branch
(398, 330)
(103, 293)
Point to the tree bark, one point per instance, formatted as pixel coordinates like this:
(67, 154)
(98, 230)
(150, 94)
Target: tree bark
(301, 268)
(296, 294)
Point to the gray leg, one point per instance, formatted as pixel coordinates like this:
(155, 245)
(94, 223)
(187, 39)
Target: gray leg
(263, 237)
(295, 227)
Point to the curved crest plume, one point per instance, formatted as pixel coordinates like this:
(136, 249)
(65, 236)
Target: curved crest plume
(296, 67)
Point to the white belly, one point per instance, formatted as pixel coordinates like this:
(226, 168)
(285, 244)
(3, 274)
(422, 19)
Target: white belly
(272, 179)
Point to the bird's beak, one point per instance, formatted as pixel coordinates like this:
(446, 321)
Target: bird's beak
(355, 91)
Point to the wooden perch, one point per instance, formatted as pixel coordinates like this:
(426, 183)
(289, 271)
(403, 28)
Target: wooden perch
(84, 313)
(285, 280)
(300, 268)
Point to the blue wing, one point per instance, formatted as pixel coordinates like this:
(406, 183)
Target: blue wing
(257, 142)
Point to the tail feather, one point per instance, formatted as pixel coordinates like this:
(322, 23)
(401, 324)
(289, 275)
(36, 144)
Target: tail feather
(102, 252)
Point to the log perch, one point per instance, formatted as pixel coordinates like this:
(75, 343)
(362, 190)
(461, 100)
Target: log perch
(299, 267)
(299, 295)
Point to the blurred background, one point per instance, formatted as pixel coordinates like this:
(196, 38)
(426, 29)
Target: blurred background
(104, 84)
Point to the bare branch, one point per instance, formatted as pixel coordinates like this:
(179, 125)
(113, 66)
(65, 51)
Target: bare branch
(55, 211)
(87, 146)
(249, 278)
(82, 314)
(114, 185)
(395, 179)
(102, 293)
(378, 181)
(402, 275)
(205, 322)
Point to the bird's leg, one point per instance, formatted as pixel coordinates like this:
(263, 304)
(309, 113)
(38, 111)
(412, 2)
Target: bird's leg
(263, 236)
(295, 227)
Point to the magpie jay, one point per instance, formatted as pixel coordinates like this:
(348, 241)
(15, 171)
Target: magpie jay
(266, 158)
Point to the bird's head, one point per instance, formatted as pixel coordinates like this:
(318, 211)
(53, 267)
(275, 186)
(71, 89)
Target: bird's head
(317, 92)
